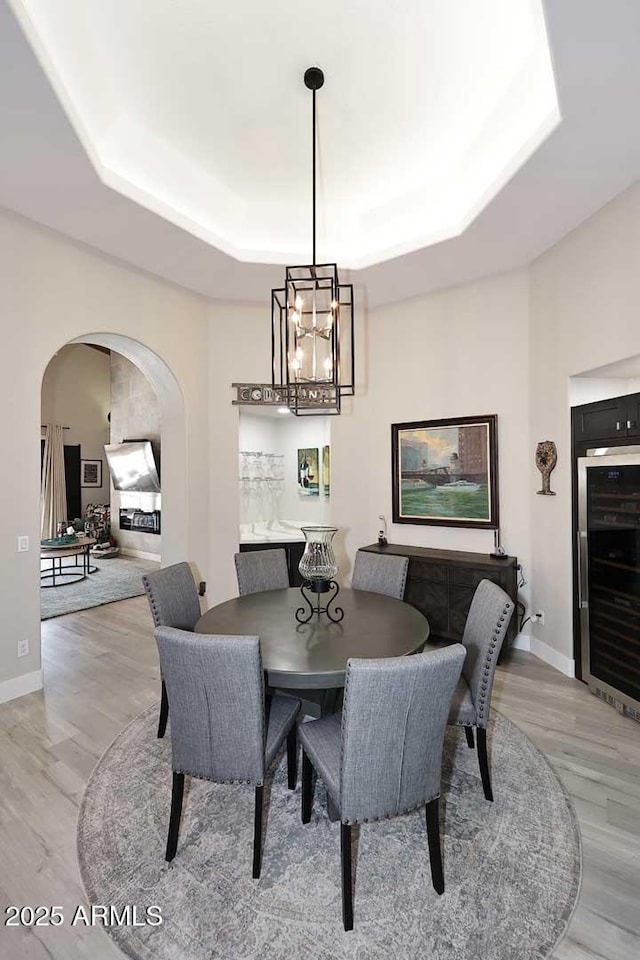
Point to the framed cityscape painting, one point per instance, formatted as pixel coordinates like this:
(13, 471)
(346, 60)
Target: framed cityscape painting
(445, 472)
(308, 472)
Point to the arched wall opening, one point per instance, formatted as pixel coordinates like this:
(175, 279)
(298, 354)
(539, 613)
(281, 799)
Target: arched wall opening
(57, 292)
(174, 439)
(173, 435)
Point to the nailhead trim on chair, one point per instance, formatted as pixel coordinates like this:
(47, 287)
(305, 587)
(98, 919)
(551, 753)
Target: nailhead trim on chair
(404, 581)
(390, 816)
(154, 608)
(482, 706)
(202, 776)
(344, 700)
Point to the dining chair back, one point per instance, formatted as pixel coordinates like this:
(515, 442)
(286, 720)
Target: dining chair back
(484, 632)
(259, 570)
(485, 629)
(216, 692)
(173, 597)
(384, 757)
(393, 724)
(379, 573)
(221, 727)
(174, 602)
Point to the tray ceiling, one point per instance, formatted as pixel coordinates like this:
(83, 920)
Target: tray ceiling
(50, 171)
(198, 112)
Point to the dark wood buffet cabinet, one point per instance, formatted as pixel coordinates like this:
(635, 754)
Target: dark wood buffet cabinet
(441, 584)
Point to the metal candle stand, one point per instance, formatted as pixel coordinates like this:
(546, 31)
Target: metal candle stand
(319, 587)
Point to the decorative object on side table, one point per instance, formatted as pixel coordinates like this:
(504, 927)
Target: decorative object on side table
(498, 552)
(62, 540)
(546, 459)
(382, 532)
(445, 472)
(318, 567)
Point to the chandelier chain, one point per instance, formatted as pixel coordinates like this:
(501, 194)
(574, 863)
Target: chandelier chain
(314, 176)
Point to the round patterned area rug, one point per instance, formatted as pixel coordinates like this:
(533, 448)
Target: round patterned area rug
(512, 867)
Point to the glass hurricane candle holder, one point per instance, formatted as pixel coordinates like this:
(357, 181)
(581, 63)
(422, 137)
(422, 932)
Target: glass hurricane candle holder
(318, 561)
(318, 568)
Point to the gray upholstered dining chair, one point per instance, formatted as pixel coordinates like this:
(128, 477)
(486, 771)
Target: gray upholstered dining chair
(174, 602)
(260, 570)
(380, 574)
(485, 629)
(223, 728)
(383, 757)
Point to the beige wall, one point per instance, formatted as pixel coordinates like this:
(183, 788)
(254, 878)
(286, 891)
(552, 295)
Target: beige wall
(585, 297)
(239, 350)
(456, 353)
(505, 345)
(508, 345)
(53, 291)
(75, 393)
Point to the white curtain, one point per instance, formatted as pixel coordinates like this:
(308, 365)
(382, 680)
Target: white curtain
(54, 488)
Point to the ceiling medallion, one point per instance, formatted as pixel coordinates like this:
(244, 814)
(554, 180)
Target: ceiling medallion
(312, 332)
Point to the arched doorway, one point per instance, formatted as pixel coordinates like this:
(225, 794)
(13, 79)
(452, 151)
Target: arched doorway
(156, 373)
(174, 480)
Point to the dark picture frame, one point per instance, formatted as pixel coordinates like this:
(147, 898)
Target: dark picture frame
(445, 472)
(91, 473)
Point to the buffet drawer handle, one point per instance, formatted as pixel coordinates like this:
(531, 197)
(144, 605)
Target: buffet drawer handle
(618, 425)
(630, 424)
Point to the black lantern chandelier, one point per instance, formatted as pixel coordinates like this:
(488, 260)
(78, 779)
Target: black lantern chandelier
(312, 334)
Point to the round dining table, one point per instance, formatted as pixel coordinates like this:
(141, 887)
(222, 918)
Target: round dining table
(313, 655)
(307, 657)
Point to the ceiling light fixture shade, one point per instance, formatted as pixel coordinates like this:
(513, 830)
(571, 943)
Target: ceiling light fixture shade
(312, 323)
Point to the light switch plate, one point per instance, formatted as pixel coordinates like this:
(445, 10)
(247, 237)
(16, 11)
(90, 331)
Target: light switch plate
(23, 544)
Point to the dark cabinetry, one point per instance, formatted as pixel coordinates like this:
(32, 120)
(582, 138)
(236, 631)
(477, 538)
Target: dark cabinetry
(441, 584)
(613, 424)
(293, 549)
(611, 419)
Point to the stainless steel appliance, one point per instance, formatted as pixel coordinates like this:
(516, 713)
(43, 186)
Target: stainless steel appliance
(609, 572)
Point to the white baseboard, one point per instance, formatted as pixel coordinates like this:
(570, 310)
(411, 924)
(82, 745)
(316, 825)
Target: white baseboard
(20, 686)
(542, 650)
(521, 642)
(140, 554)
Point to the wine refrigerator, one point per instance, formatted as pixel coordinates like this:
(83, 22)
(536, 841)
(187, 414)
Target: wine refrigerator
(608, 551)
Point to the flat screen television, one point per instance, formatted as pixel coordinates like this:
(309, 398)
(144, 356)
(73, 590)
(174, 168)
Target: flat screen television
(133, 466)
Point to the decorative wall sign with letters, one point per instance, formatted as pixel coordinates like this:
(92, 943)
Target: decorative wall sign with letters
(265, 394)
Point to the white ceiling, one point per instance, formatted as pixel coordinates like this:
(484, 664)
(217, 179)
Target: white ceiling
(410, 88)
(205, 118)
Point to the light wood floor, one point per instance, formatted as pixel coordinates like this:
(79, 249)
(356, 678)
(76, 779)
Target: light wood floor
(101, 671)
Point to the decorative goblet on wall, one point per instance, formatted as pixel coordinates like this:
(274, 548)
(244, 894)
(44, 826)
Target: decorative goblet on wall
(546, 459)
(318, 567)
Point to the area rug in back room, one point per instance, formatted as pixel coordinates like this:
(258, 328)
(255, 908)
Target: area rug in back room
(116, 579)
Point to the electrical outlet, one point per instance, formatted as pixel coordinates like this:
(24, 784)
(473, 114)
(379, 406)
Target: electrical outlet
(23, 544)
(23, 648)
(202, 588)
